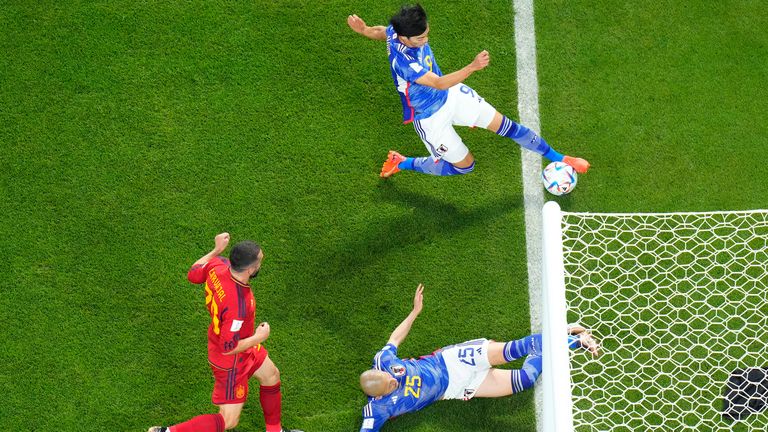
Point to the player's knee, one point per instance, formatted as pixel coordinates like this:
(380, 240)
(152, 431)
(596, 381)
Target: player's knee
(270, 377)
(230, 419)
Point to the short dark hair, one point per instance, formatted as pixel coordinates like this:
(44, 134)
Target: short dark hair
(410, 21)
(244, 254)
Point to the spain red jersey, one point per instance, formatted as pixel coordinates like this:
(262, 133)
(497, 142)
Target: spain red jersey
(232, 308)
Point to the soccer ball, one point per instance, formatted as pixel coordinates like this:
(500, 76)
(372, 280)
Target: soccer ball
(559, 178)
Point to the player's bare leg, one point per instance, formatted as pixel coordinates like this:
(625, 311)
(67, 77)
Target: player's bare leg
(528, 139)
(495, 124)
(497, 383)
(506, 382)
(231, 414)
(268, 374)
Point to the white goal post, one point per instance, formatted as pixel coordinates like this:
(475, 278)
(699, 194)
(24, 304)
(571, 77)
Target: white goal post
(555, 381)
(679, 302)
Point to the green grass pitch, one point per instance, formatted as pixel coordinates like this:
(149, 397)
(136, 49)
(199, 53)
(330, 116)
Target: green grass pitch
(133, 132)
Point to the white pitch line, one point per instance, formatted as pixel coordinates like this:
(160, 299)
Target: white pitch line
(528, 107)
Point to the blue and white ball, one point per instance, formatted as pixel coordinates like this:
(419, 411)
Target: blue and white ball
(559, 178)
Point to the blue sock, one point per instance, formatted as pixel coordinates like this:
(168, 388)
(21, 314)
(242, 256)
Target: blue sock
(428, 166)
(528, 139)
(525, 378)
(529, 345)
(573, 342)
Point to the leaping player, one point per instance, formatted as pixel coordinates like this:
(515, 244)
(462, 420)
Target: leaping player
(434, 102)
(395, 386)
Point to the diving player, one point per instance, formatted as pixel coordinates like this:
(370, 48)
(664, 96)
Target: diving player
(395, 386)
(435, 102)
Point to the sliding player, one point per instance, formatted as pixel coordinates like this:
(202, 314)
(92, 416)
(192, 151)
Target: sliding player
(435, 102)
(396, 386)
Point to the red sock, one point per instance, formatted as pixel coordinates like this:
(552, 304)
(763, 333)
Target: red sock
(203, 423)
(271, 401)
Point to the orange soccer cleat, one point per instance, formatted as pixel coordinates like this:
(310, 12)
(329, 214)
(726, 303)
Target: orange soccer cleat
(391, 164)
(580, 165)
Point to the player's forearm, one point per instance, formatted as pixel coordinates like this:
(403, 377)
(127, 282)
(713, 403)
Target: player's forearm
(207, 257)
(245, 344)
(447, 81)
(401, 332)
(375, 33)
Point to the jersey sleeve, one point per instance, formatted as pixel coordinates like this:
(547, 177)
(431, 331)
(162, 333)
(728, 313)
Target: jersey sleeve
(197, 272)
(385, 357)
(374, 418)
(408, 67)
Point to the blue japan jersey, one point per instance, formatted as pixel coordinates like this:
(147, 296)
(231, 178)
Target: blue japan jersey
(421, 382)
(408, 65)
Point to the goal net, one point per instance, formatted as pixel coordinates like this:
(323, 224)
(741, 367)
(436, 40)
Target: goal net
(679, 302)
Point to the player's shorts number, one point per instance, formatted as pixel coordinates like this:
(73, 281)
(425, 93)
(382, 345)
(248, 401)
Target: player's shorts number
(412, 382)
(467, 90)
(467, 356)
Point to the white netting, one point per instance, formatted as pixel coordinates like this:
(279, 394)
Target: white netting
(679, 302)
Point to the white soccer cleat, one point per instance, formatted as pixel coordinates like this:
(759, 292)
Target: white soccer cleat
(586, 339)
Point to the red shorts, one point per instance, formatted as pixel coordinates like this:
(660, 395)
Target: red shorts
(231, 385)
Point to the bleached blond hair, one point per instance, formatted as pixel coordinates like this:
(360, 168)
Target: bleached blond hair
(374, 382)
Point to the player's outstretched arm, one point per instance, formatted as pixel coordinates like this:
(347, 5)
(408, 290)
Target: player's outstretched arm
(220, 244)
(445, 82)
(400, 333)
(358, 26)
(196, 273)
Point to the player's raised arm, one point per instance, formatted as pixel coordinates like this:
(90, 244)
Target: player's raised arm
(358, 26)
(447, 81)
(398, 336)
(196, 274)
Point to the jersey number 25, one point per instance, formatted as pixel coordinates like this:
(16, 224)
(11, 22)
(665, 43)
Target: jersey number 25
(412, 382)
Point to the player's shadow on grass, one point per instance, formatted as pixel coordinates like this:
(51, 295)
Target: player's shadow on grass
(333, 276)
(349, 297)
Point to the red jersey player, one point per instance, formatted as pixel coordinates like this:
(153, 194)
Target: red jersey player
(235, 350)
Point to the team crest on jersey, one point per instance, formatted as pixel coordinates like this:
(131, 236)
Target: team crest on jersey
(468, 393)
(397, 370)
(239, 391)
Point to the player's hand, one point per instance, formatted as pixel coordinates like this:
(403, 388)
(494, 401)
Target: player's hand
(262, 331)
(481, 61)
(356, 24)
(221, 241)
(418, 299)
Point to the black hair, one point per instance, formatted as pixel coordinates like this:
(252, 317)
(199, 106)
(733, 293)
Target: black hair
(244, 254)
(410, 21)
